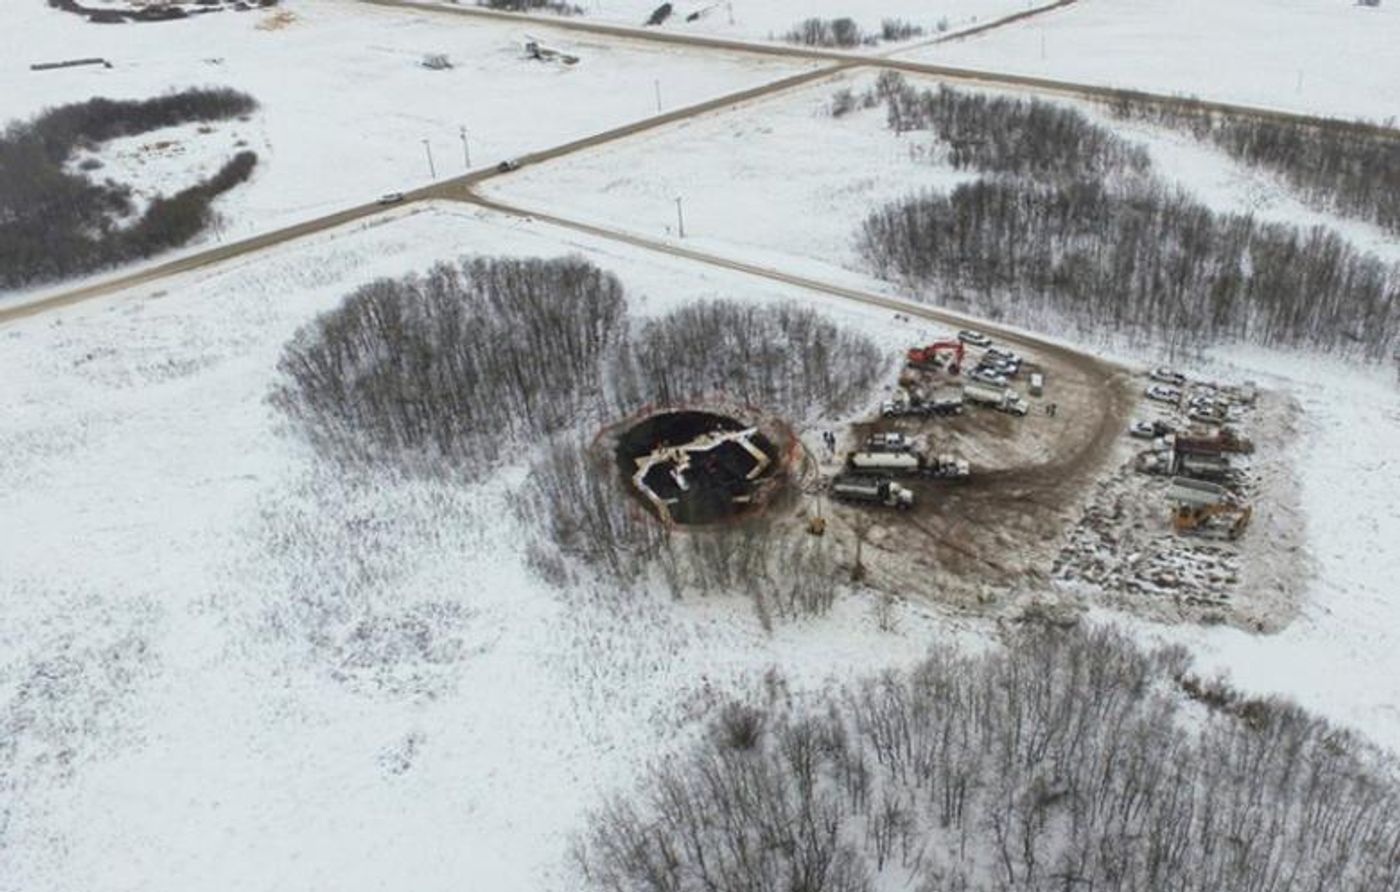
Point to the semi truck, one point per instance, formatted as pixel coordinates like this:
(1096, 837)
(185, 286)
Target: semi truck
(888, 441)
(908, 464)
(999, 397)
(904, 404)
(872, 490)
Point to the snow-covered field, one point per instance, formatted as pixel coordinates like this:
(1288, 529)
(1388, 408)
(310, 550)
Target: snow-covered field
(780, 177)
(1329, 57)
(1341, 657)
(179, 673)
(774, 178)
(770, 19)
(199, 669)
(225, 664)
(346, 103)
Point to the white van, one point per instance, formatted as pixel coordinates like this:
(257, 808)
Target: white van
(1037, 384)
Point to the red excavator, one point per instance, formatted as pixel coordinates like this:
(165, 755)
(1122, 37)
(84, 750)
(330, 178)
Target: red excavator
(931, 357)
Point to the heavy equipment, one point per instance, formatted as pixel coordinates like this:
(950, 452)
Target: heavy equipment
(932, 356)
(874, 490)
(1206, 509)
(1223, 520)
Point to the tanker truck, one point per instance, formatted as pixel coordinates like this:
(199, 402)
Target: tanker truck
(872, 490)
(893, 464)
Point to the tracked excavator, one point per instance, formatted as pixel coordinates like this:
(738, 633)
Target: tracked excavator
(932, 356)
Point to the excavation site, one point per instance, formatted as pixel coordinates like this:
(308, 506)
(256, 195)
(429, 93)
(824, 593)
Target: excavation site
(693, 467)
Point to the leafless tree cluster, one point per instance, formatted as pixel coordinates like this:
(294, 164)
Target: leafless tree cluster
(1353, 171)
(842, 32)
(1140, 260)
(55, 223)
(467, 360)
(899, 29)
(559, 7)
(1061, 763)
(459, 363)
(581, 501)
(1002, 134)
(139, 11)
(785, 358)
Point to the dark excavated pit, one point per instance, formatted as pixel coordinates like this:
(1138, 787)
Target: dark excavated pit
(695, 467)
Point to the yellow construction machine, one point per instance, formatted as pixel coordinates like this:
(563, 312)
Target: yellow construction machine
(1221, 520)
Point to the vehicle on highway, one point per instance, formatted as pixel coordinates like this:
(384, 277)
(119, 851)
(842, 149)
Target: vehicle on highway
(391, 198)
(1167, 376)
(984, 375)
(975, 338)
(507, 166)
(1163, 394)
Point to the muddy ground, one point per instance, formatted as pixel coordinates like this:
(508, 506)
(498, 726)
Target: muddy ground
(977, 543)
(1055, 513)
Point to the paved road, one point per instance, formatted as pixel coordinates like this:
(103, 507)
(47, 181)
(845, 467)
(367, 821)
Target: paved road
(1043, 85)
(460, 187)
(457, 188)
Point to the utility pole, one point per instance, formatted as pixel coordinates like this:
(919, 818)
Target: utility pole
(466, 152)
(680, 218)
(657, 85)
(432, 171)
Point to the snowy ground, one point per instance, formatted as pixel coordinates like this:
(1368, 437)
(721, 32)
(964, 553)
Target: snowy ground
(1341, 657)
(781, 178)
(346, 104)
(771, 19)
(1329, 57)
(221, 659)
(201, 669)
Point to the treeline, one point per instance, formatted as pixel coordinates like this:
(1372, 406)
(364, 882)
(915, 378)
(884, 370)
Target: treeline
(844, 33)
(785, 359)
(1354, 172)
(462, 363)
(55, 224)
(1059, 763)
(559, 7)
(155, 12)
(468, 361)
(59, 131)
(999, 134)
(579, 499)
(1140, 261)
(1071, 224)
